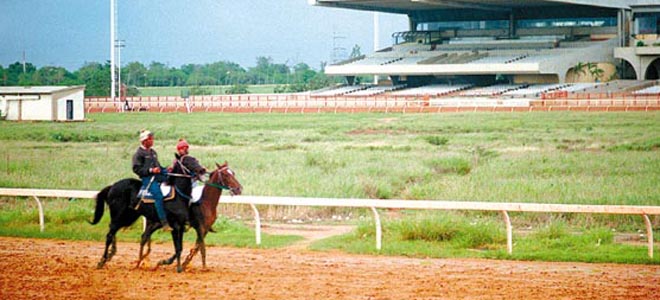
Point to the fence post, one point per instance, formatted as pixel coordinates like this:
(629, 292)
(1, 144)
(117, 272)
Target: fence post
(649, 234)
(509, 233)
(379, 232)
(257, 224)
(41, 213)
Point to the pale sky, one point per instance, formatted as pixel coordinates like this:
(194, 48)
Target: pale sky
(69, 33)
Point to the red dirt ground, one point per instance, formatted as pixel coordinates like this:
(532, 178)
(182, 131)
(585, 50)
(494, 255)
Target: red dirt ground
(53, 269)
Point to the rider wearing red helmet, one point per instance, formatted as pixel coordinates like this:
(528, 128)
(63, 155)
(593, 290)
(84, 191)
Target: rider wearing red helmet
(182, 145)
(186, 165)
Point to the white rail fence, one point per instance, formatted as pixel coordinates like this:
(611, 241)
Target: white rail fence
(374, 205)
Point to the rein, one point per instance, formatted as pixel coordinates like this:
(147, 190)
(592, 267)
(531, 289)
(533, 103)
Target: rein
(178, 175)
(215, 185)
(209, 183)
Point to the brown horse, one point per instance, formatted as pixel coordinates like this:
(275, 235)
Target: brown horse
(200, 216)
(205, 214)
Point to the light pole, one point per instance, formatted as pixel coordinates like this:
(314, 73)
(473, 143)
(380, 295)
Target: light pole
(119, 44)
(112, 50)
(376, 38)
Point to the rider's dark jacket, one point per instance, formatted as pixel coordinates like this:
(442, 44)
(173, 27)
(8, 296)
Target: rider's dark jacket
(143, 160)
(186, 165)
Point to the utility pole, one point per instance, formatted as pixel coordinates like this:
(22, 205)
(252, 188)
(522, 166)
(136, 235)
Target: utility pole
(376, 38)
(338, 51)
(112, 50)
(118, 45)
(24, 61)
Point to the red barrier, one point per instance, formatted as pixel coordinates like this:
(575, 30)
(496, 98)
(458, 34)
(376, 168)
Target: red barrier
(306, 103)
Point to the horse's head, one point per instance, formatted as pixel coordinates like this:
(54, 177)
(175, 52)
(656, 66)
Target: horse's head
(226, 178)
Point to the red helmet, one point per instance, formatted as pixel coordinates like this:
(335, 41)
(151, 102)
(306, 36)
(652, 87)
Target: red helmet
(182, 144)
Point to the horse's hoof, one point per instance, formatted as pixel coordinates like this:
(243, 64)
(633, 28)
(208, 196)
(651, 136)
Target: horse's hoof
(179, 269)
(100, 265)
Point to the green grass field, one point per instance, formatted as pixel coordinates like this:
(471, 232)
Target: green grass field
(572, 158)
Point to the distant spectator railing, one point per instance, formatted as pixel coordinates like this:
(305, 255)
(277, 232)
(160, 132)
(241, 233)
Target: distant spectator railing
(306, 102)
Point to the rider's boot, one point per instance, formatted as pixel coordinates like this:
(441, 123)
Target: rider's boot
(166, 225)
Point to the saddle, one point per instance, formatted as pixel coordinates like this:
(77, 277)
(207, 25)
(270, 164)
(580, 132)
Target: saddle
(144, 196)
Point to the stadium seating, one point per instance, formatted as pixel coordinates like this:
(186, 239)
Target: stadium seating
(342, 90)
(652, 90)
(479, 102)
(435, 90)
(376, 90)
(493, 90)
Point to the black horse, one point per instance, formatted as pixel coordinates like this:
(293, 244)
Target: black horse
(122, 195)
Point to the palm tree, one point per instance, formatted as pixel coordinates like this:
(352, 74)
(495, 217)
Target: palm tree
(595, 71)
(579, 68)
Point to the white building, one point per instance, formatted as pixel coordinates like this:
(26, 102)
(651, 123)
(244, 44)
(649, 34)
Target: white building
(43, 103)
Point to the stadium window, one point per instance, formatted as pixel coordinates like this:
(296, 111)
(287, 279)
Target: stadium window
(576, 22)
(647, 23)
(434, 26)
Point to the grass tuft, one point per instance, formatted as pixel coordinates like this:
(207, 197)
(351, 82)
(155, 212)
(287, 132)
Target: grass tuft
(450, 165)
(436, 140)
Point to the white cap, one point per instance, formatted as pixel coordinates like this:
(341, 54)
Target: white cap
(144, 134)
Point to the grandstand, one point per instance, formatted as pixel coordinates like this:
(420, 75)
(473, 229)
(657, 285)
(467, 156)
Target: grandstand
(479, 55)
(510, 48)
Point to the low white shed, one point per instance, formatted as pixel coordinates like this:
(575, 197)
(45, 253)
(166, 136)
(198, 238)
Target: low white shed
(47, 103)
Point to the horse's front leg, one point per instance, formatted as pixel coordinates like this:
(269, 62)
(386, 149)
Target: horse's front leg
(202, 250)
(111, 244)
(178, 246)
(146, 240)
(199, 247)
(193, 252)
(202, 245)
(177, 239)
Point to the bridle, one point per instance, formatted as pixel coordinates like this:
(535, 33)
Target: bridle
(220, 185)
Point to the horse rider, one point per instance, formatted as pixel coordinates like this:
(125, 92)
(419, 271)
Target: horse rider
(186, 165)
(146, 166)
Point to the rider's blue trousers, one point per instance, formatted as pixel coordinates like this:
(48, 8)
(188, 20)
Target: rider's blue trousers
(154, 190)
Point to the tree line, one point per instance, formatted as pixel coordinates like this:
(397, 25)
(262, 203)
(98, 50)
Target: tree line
(96, 76)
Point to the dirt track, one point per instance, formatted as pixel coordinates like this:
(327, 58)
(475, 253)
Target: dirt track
(51, 269)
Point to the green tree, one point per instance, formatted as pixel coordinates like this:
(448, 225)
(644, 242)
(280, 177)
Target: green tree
(595, 71)
(3, 76)
(303, 73)
(319, 81)
(158, 74)
(134, 74)
(267, 72)
(96, 78)
(237, 89)
(16, 76)
(579, 68)
(50, 75)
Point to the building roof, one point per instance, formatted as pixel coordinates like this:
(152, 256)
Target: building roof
(412, 6)
(36, 90)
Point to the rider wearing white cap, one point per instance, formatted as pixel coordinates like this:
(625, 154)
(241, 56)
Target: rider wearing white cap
(146, 165)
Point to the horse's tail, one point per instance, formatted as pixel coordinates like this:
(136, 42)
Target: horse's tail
(101, 197)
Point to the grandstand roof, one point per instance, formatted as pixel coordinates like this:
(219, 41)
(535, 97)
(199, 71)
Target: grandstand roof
(413, 6)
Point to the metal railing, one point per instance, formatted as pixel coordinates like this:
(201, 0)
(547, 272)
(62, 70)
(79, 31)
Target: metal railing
(503, 207)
